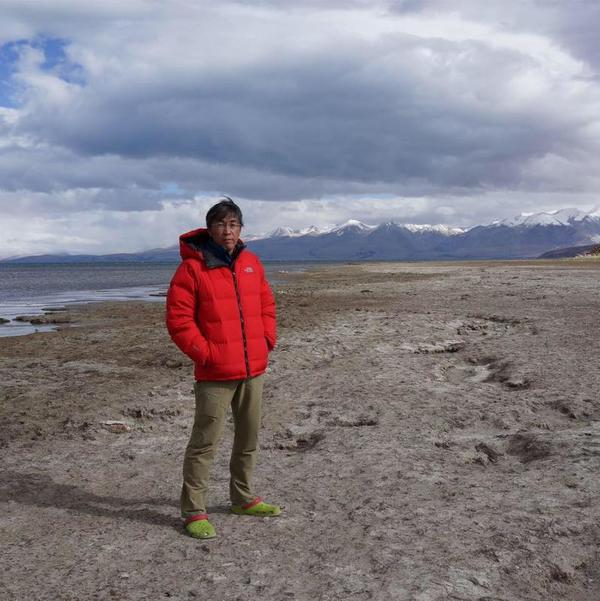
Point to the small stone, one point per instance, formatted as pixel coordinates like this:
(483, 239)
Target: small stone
(492, 454)
(172, 363)
(116, 427)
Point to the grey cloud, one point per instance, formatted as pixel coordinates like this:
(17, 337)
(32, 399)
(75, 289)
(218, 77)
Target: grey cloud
(366, 113)
(46, 170)
(572, 24)
(104, 182)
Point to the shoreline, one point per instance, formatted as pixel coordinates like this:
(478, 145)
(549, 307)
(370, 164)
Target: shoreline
(46, 304)
(12, 308)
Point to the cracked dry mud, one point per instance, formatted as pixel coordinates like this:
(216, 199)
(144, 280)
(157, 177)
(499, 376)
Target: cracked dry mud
(432, 431)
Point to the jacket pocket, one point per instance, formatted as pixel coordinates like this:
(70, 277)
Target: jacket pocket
(209, 355)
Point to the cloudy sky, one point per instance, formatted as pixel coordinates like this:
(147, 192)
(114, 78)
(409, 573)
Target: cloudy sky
(121, 122)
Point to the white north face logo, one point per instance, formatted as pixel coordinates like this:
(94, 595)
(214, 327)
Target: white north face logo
(249, 270)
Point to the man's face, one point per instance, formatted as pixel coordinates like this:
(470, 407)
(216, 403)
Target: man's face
(226, 232)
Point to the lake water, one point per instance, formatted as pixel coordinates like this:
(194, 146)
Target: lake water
(28, 289)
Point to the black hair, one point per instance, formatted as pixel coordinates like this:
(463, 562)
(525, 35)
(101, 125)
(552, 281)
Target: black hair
(224, 207)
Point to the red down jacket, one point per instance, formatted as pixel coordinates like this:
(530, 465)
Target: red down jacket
(221, 316)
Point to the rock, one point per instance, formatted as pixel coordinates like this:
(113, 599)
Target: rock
(38, 320)
(2, 320)
(116, 427)
(445, 346)
(517, 382)
(357, 422)
(492, 454)
(172, 363)
(57, 319)
(151, 413)
(299, 442)
(308, 442)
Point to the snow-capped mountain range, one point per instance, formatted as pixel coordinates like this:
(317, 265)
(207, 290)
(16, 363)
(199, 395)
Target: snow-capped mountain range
(559, 217)
(524, 236)
(356, 226)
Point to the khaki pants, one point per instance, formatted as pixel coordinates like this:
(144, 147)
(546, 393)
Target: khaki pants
(212, 400)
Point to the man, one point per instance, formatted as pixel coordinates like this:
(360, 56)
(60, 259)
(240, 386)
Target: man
(221, 313)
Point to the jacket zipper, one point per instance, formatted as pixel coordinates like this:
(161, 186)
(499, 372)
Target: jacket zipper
(239, 302)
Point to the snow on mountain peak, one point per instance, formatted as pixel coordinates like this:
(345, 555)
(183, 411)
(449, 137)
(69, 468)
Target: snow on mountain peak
(281, 232)
(419, 228)
(440, 228)
(288, 232)
(556, 217)
(355, 223)
(569, 215)
(313, 230)
(352, 225)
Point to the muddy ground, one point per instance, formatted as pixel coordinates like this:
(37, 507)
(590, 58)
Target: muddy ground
(431, 430)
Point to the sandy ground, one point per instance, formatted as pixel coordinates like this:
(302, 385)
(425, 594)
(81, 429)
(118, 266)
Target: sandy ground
(432, 431)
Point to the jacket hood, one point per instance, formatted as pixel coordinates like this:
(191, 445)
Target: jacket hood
(191, 243)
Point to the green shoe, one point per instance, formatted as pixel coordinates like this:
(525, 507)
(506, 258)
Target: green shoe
(257, 508)
(198, 526)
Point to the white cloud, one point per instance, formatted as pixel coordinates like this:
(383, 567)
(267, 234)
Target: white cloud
(69, 228)
(98, 231)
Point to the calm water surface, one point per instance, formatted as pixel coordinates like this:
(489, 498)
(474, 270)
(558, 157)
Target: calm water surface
(27, 289)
